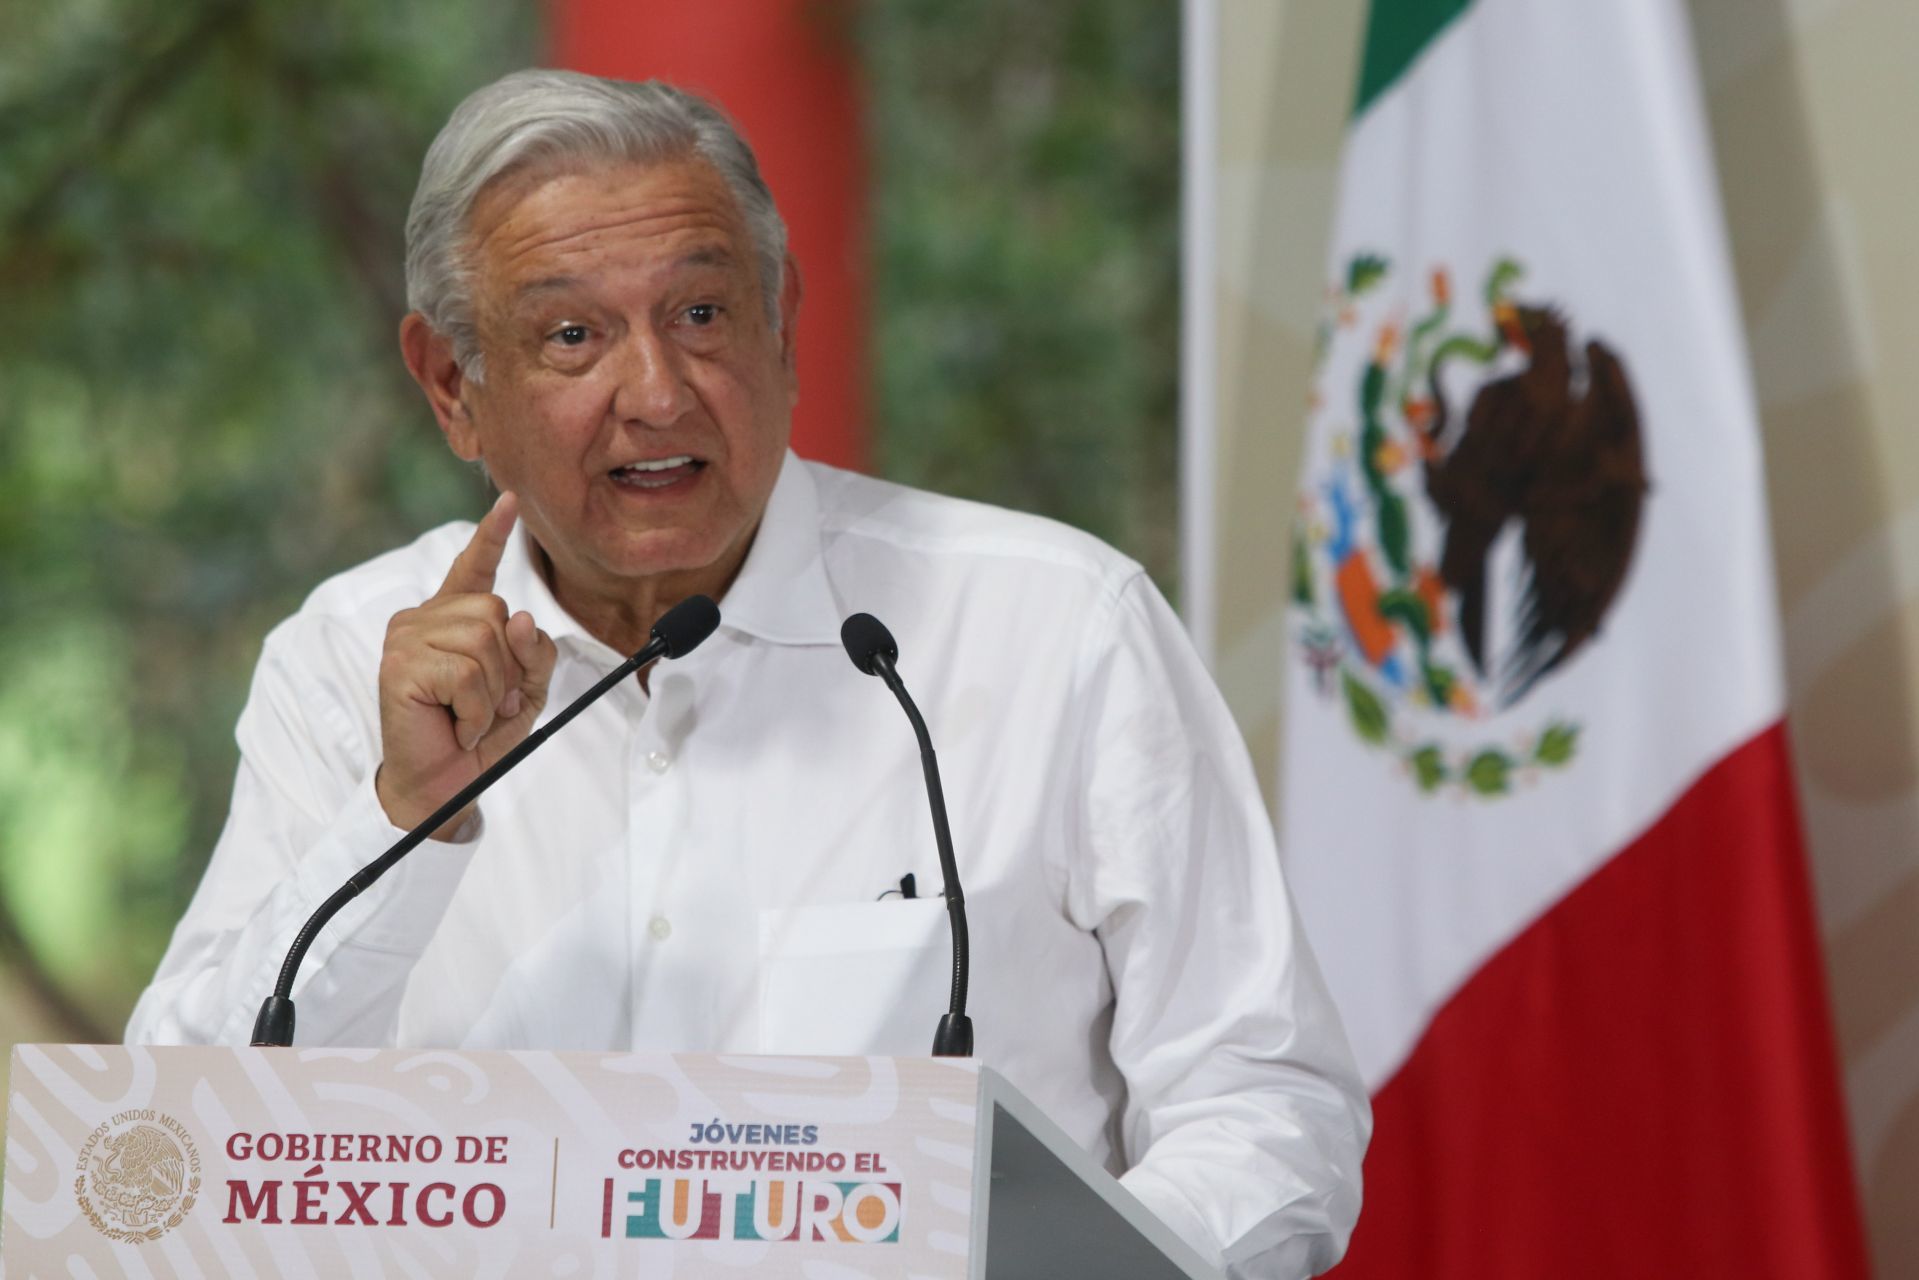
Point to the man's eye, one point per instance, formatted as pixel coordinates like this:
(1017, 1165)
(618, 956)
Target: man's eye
(570, 336)
(702, 314)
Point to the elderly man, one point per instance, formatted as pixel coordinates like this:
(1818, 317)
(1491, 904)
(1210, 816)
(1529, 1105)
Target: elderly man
(604, 317)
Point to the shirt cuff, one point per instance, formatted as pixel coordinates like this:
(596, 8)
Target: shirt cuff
(1171, 1206)
(401, 911)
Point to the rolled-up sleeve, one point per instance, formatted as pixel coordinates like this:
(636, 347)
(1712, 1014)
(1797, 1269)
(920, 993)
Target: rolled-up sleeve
(1245, 1120)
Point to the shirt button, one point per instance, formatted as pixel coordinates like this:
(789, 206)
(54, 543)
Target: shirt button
(661, 928)
(658, 761)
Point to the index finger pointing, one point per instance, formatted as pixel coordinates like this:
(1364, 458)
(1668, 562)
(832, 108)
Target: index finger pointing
(473, 569)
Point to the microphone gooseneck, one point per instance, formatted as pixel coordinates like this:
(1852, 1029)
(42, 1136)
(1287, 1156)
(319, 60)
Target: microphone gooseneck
(678, 632)
(872, 648)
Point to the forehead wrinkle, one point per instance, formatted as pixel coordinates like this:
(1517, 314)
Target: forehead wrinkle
(653, 221)
(707, 256)
(550, 284)
(572, 265)
(704, 256)
(605, 283)
(579, 231)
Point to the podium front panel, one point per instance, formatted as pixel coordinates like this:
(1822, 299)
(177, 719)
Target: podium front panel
(332, 1162)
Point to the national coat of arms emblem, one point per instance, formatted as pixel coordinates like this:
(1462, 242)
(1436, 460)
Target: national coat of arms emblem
(1470, 526)
(139, 1176)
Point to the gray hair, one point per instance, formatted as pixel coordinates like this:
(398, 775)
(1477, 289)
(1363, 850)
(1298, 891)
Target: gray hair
(534, 117)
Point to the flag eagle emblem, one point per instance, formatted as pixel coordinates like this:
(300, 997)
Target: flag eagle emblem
(1471, 526)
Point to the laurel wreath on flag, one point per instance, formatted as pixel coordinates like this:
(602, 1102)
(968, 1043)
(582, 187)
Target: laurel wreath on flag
(1487, 770)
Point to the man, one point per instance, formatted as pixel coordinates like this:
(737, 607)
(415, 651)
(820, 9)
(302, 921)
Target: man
(604, 318)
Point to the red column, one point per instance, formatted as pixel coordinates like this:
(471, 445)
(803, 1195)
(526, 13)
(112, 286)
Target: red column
(784, 70)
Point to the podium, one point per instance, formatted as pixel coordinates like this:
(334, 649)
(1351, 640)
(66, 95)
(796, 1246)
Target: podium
(334, 1162)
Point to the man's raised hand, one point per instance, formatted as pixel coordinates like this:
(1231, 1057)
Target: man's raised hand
(461, 682)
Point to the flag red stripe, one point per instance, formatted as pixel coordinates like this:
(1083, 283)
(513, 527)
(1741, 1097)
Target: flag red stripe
(1642, 1083)
(785, 70)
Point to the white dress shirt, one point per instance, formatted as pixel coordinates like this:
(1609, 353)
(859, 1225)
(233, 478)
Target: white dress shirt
(701, 868)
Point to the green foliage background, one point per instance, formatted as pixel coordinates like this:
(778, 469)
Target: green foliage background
(202, 414)
(1026, 285)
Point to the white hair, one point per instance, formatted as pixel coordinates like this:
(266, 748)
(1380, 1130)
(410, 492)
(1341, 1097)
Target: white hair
(556, 117)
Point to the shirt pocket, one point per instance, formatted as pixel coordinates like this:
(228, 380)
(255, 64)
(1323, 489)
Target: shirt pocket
(854, 978)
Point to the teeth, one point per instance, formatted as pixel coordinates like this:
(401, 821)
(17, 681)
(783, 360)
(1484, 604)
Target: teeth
(663, 464)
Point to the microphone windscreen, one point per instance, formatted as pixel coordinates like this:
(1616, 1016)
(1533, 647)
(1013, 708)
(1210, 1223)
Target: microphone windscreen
(686, 624)
(865, 638)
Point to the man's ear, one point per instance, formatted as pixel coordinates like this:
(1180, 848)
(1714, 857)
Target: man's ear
(429, 358)
(789, 313)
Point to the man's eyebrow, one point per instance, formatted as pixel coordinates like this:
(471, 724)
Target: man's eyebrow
(546, 284)
(707, 256)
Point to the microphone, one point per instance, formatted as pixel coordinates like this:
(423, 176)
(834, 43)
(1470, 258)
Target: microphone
(678, 632)
(872, 648)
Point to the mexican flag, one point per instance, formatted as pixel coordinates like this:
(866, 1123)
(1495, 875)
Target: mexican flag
(1537, 807)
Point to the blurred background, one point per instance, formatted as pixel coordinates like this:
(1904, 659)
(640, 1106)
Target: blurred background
(202, 413)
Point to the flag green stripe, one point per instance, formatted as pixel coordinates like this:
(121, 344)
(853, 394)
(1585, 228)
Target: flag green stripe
(1396, 32)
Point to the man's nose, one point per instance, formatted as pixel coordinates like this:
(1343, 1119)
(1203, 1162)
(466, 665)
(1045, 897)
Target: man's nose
(652, 388)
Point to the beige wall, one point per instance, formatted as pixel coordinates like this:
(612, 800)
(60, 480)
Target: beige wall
(1811, 105)
(1286, 74)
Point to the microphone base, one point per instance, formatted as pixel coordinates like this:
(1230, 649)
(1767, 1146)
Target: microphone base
(273, 1029)
(954, 1039)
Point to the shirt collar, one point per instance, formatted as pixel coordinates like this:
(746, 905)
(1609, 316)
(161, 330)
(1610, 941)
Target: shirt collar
(781, 594)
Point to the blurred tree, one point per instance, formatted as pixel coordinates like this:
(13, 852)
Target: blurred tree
(202, 414)
(1026, 293)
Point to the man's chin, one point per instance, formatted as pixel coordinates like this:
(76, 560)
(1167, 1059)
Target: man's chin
(669, 555)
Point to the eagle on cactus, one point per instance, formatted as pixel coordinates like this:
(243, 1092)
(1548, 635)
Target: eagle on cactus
(1400, 539)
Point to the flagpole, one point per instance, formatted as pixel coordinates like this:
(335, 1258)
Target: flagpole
(1199, 331)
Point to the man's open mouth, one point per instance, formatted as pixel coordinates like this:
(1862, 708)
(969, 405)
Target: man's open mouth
(657, 473)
